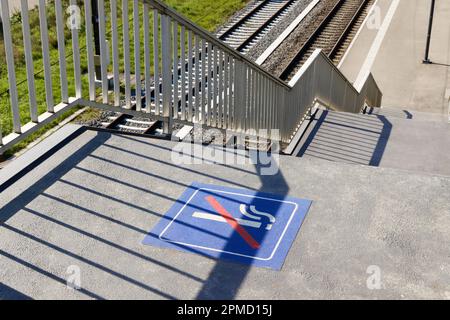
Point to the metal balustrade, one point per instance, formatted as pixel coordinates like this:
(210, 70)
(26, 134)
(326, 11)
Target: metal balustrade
(154, 61)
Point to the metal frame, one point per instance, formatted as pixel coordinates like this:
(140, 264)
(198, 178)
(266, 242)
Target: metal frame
(220, 88)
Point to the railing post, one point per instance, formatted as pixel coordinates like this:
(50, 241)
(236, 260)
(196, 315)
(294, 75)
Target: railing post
(240, 85)
(156, 73)
(96, 34)
(103, 51)
(175, 68)
(90, 48)
(137, 55)
(61, 51)
(13, 96)
(76, 58)
(147, 57)
(183, 72)
(46, 55)
(126, 53)
(166, 74)
(115, 48)
(29, 61)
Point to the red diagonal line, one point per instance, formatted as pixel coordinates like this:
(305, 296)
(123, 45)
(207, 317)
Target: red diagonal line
(232, 222)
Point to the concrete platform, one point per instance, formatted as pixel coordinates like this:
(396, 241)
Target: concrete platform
(92, 202)
(401, 140)
(393, 49)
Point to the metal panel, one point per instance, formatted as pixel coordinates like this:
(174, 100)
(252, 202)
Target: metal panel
(232, 85)
(266, 103)
(243, 107)
(258, 100)
(240, 95)
(190, 70)
(196, 77)
(166, 72)
(255, 95)
(156, 75)
(175, 68)
(183, 72)
(226, 91)
(210, 84)
(214, 87)
(220, 91)
(204, 104)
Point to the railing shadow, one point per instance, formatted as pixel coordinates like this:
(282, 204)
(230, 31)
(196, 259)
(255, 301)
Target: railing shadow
(8, 293)
(211, 288)
(347, 138)
(37, 189)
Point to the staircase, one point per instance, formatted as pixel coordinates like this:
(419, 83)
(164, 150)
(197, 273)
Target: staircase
(387, 137)
(187, 77)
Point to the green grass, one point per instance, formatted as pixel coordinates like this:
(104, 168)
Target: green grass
(209, 14)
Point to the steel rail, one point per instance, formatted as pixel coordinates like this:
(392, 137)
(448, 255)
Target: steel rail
(294, 61)
(241, 21)
(348, 28)
(316, 34)
(264, 26)
(206, 35)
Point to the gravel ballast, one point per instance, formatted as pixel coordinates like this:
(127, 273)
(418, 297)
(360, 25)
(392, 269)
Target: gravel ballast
(281, 57)
(273, 34)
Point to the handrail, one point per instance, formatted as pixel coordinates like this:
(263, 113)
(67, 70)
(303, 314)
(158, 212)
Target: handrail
(319, 76)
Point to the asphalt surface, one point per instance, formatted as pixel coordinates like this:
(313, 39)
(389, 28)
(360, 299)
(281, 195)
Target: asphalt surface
(89, 206)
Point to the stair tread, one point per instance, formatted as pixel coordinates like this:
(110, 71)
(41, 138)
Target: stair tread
(388, 141)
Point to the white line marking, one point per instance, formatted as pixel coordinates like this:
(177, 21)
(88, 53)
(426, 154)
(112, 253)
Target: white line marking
(376, 45)
(369, 14)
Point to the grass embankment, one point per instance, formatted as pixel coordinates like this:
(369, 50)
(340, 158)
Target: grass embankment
(209, 14)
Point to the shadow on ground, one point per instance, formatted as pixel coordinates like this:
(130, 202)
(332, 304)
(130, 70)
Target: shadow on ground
(348, 138)
(94, 160)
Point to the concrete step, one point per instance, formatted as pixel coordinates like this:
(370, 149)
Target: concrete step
(378, 140)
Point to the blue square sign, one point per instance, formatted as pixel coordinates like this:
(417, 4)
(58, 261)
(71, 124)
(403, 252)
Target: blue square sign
(233, 224)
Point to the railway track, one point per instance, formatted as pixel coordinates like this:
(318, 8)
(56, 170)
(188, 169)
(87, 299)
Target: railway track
(333, 35)
(245, 33)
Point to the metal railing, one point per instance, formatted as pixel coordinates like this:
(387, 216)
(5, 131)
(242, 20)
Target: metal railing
(162, 64)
